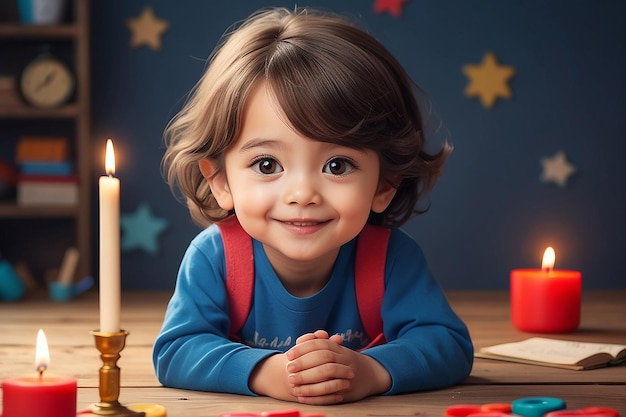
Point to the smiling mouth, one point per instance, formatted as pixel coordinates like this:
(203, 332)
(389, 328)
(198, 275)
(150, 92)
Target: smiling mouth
(305, 224)
(304, 227)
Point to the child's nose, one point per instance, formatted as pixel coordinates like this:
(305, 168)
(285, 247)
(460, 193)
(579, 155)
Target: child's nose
(302, 190)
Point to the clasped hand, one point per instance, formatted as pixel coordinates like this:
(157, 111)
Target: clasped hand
(322, 371)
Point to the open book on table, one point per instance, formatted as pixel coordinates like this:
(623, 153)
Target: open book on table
(566, 354)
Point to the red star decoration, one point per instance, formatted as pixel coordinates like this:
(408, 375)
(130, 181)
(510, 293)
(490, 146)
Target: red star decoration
(394, 7)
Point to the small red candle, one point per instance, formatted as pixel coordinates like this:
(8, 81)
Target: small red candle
(40, 394)
(546, 300)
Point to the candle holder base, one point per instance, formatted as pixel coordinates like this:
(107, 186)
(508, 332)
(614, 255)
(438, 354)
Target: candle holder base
(114, 409)
(110, 345)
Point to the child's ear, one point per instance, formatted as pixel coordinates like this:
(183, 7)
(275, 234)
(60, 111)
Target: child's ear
(383, 196)
(218, 183)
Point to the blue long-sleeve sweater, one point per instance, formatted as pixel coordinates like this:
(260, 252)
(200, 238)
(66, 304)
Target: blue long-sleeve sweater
(428, 346)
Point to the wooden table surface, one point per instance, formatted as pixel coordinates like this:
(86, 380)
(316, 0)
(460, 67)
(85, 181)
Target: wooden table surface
(68, 324)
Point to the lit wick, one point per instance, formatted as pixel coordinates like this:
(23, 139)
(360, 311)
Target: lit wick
(42, 356)
(109, 158)
(547, 264)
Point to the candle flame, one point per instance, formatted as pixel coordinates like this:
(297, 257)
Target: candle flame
(42, 356)
(547, 264)
(109, 159)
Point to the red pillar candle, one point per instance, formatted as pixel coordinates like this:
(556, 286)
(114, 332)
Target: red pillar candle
(40, 394)
(546, 300)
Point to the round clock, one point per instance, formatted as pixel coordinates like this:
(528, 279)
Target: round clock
(47, 82)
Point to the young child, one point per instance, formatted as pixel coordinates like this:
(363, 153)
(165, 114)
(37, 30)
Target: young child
(304, 129)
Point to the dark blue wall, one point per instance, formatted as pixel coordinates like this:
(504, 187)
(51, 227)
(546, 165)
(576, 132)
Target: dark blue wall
(490, 212)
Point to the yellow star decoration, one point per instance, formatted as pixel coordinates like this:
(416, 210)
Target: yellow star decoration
(147, 29)
(488, 81)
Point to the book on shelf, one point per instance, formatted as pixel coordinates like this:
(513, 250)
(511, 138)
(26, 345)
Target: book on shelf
(46, 168)
(46, 172)
(566, 354)
(42, 148)
(42, 155)
(36, 190)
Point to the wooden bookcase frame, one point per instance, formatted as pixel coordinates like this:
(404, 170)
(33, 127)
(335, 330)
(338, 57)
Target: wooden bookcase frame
(78, 111)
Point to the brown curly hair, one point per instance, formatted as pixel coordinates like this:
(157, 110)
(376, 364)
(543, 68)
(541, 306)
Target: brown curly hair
(334, 82)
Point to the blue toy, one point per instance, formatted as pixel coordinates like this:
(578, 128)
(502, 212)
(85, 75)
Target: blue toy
(12, 288)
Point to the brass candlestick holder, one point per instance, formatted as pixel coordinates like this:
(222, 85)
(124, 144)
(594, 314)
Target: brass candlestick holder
(110, 345)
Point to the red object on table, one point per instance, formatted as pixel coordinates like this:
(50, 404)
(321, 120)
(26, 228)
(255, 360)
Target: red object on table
(281, 413)
(545, 300)
(476, 410)
(586, 412)
(41, 396)
(462, 410)
(239, 414)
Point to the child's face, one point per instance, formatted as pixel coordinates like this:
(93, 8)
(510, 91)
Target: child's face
(301, 198)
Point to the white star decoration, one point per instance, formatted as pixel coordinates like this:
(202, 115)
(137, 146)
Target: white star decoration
(141, 230)
(557, 169)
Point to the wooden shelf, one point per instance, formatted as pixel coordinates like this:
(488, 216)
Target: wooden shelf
(13, 210)
(26, 112)
(14, 31)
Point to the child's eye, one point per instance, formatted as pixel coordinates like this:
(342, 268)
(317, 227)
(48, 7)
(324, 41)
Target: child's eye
(266, 166)
(339, 166)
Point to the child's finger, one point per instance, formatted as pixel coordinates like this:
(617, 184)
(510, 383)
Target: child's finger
(321, 334)
(318, 334)
(326, 392)
(314, 344)
(317, 375)
(305, 337)
(334, 398)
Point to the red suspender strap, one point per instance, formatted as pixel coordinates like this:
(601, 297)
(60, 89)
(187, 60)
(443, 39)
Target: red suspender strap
(239, 272)
(369, 276)
(371, 253)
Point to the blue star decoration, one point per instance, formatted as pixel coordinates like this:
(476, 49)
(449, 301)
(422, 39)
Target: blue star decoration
(557, 169)
(140, 230)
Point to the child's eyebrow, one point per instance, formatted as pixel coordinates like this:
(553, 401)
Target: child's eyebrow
(258, 143)
(276, 144)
